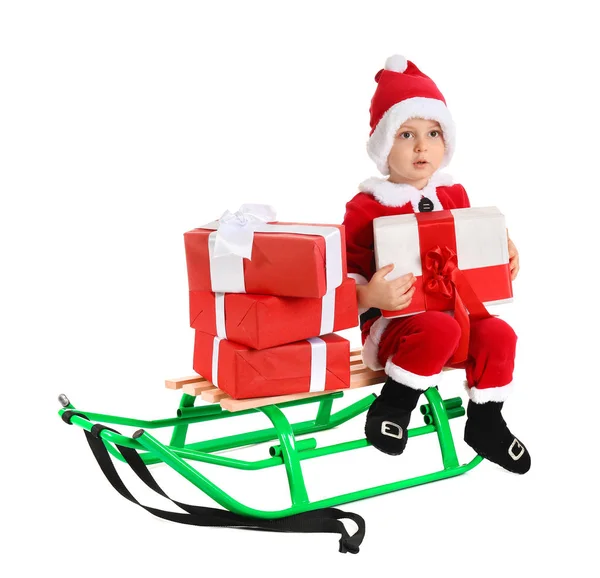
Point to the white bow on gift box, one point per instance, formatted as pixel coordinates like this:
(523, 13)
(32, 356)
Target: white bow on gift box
(235, 232)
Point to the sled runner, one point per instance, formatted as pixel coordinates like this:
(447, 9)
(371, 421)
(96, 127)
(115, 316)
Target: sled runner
(292, 443)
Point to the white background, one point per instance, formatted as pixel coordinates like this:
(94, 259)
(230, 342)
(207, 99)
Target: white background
(124, 124)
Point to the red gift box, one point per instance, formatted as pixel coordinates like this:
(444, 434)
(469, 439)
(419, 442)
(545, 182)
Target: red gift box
(262, 321)
(459, 257)
(316, 364)
(288, 259)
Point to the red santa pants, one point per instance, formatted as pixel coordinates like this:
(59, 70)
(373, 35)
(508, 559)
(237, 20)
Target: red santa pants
(414, 350)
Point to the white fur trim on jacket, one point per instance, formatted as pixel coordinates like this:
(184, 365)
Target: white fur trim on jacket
(360, 279)
(380, 143)
(371, 346)
(412, 380)
(398, 194)
(484, 395)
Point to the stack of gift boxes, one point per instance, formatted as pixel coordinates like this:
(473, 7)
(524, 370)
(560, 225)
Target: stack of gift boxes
(265, 299)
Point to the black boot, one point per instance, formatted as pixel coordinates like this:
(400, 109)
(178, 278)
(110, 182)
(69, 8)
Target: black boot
(487, 433)
(389, 415)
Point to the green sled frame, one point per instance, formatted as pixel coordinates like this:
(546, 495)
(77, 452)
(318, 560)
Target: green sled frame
(289, 450)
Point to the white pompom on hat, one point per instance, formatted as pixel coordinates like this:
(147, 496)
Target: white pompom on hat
(404, 92)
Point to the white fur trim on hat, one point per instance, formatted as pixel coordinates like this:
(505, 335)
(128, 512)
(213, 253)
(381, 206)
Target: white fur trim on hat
(398, 194)
(371, 346)
(380, 143)
(486, 394)
(412, 380)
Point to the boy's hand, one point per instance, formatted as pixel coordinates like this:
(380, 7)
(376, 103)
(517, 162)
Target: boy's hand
(389, 295)
(513, 257)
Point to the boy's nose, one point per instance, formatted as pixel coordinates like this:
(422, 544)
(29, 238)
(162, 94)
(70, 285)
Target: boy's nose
(420, 146)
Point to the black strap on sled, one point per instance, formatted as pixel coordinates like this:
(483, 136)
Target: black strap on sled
(323, 520)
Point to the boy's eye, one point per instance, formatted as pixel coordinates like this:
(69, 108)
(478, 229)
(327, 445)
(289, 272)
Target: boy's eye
(405, 135)
(434, 133)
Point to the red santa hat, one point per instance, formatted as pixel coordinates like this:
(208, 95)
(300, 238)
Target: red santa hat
(404, 92)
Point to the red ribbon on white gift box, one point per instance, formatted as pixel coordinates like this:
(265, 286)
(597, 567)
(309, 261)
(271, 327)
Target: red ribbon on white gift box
(318, 363)
(441, 275)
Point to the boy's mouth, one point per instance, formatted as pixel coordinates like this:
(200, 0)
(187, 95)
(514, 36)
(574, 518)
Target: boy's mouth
(420, 163)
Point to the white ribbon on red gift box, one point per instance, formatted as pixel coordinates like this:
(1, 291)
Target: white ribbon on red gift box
(215, 361)
(318, 363)
(327, 313)
(232, 241)
(220, 315)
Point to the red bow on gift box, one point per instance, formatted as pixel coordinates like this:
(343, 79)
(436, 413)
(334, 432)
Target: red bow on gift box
(440, 264)
(443, 277)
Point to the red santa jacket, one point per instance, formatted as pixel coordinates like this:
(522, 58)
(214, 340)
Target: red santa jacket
(380, 198)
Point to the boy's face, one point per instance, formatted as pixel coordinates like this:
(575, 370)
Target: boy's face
(417, 152)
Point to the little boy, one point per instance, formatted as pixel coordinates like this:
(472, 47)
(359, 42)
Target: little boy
(412, 136)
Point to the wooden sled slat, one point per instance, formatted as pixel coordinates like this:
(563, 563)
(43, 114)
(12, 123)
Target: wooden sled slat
(367, 377)
(214, 395)
(197, 388)
(179, 382)
(233, 405)
(359, 369)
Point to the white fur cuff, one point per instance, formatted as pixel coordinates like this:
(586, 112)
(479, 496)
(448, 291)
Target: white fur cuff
(369, 354)
(413, 380)
(371, 347)
(360, 279)
(489, 393)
